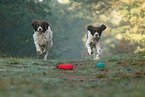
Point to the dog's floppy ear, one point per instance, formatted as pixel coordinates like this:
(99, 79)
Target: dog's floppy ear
(34, 24)
(90, 27)
(103, 27)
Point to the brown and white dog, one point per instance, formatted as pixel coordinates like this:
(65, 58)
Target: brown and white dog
(42, 37)
(93, 40)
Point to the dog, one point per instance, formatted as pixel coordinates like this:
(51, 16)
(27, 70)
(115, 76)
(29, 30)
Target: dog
(42, 37)
(93, 40)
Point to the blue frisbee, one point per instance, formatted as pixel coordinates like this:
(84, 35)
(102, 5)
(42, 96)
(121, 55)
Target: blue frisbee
(100, 65)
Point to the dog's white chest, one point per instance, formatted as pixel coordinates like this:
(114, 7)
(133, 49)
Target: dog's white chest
(41, 38)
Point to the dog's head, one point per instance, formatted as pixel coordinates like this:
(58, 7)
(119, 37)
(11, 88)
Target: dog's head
(40, 26)
(96, 31)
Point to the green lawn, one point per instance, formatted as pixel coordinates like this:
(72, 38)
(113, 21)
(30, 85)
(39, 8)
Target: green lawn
(122, 76)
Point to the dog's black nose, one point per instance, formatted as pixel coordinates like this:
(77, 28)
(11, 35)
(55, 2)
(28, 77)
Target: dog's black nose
(96, 35)
(39, 29)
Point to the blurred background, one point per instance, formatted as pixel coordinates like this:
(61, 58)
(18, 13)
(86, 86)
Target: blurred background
(125, 21)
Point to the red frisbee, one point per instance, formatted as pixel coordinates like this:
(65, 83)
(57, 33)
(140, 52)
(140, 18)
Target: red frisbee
(65, 66)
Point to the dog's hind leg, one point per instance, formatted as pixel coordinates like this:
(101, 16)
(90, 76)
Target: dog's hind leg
(45, 57)
(46, 49)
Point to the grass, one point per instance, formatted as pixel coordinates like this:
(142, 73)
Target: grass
(122, 76)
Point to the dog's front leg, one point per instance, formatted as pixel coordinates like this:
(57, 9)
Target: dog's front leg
(97, 56)
(38, 49)
(87, 45)
(89, 50)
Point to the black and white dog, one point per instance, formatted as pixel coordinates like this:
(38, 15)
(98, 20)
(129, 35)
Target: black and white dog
(93, 40)
(42, 37)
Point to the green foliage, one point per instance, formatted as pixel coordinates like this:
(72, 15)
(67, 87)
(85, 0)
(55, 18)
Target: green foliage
(16, 18)
(133, 14)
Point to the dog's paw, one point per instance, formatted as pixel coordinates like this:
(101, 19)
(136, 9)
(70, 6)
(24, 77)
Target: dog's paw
(45, 59)
(90, 52)
(39, 52)
(97, 58)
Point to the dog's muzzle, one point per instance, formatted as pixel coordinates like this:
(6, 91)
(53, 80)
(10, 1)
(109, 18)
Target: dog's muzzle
(39, 29)
(96, 35)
